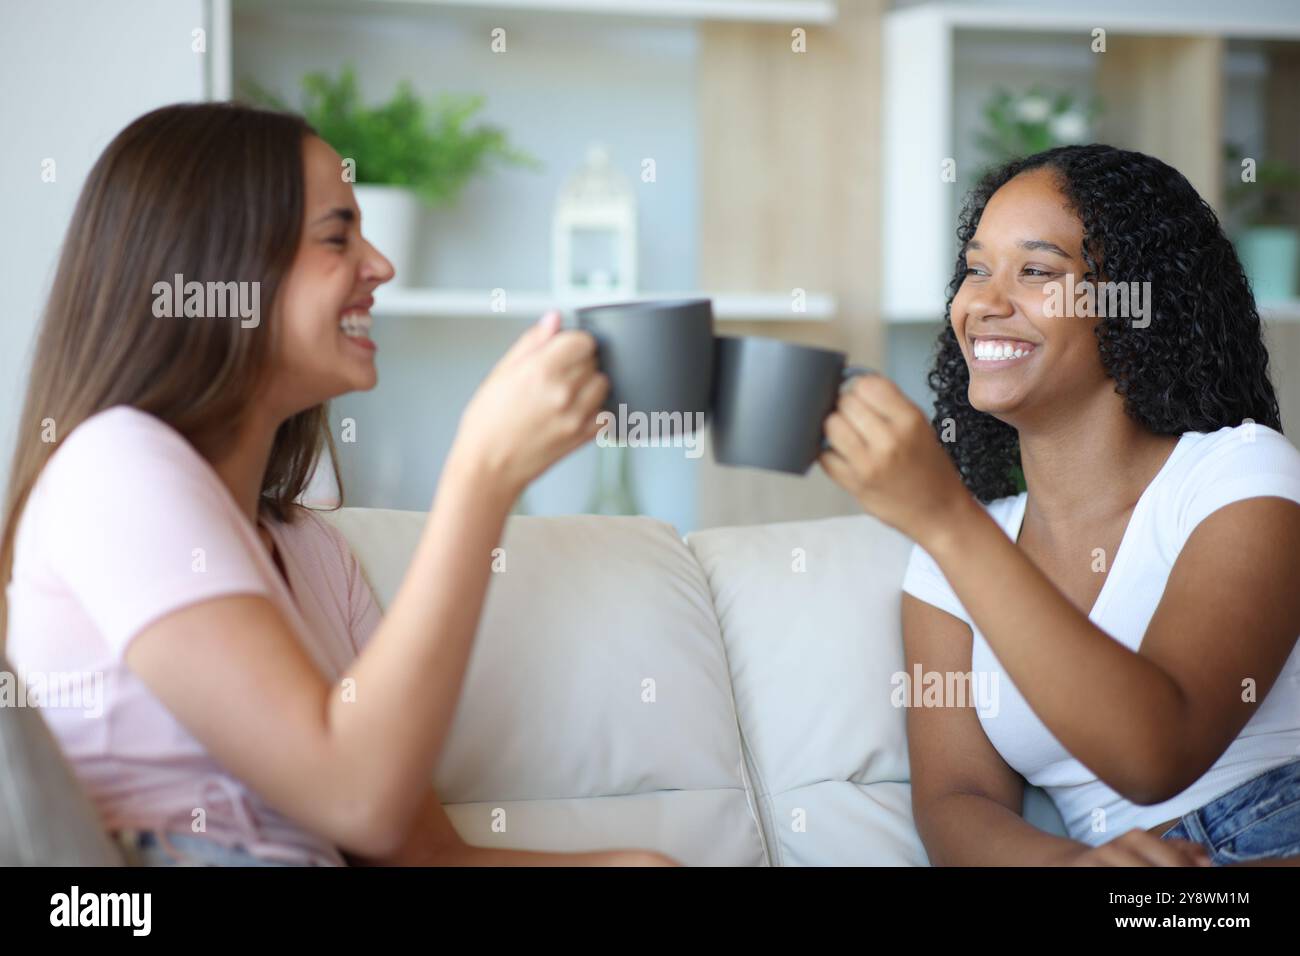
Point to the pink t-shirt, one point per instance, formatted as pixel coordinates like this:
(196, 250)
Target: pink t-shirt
(126, 523)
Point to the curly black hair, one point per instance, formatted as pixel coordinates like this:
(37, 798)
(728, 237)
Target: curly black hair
(1199, 364)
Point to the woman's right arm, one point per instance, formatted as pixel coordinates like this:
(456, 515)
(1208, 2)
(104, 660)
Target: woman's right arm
(966, 800)
(353, 760)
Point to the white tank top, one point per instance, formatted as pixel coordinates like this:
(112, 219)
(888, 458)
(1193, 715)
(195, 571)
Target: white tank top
(1204, 472)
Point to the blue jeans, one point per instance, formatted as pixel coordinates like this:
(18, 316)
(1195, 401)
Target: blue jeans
(1257, 820)
(145, 848)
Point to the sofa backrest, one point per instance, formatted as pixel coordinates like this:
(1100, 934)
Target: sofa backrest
(597, 710)
(711, 698)
(809, 613)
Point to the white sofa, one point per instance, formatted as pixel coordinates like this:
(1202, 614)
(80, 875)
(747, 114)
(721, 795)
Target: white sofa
(724, 699)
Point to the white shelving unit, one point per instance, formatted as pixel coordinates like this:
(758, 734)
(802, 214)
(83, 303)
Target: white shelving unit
(753, 11)
(801, 12)
(919, 124)
(451, 303)
(486, 303)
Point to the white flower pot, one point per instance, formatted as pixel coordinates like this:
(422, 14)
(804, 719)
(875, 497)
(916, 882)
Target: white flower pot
(390, 221)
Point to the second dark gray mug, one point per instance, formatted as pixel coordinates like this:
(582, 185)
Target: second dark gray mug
(770, 400)
(658, 356)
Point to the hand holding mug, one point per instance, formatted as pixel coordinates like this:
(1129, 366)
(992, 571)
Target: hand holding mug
(537, 404)
(884, 452)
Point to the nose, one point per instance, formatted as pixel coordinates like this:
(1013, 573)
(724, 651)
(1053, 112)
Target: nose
(989, 300)
(375, 267)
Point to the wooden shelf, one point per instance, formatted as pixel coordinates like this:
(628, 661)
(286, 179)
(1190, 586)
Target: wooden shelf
(472, 303)
(911, 319)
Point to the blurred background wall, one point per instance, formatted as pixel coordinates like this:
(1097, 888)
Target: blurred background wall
(798, 146)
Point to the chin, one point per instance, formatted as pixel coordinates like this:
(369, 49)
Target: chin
(363, 382)
(348, 381)
(1000, 405)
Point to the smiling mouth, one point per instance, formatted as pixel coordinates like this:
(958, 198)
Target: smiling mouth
(356, 324)
(1000, 353)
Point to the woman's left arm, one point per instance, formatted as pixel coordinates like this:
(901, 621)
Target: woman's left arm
(1148, 723)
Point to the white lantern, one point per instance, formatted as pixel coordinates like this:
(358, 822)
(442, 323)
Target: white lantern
(593, 239)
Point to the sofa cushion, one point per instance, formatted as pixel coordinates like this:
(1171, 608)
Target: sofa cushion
(809, 613)
(46, 819)
(597, 707)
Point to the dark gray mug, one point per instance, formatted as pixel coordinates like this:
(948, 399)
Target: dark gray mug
(658, 356)
(771, 399)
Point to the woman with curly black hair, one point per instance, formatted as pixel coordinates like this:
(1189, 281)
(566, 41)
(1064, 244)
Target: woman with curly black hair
(1134, 610)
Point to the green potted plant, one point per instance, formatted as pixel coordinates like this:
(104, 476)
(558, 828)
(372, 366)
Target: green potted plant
(1263, 214)
(407, 153)
(1021, 124)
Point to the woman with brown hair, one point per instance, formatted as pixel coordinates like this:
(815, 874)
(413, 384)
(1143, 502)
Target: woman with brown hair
(257, 709)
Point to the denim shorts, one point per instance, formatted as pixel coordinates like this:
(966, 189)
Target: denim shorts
(1257, 820)
(147, 848)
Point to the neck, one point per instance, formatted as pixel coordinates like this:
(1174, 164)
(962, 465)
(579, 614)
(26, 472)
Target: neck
(1089, 467)
(242, 465)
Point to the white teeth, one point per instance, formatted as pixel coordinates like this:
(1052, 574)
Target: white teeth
(356, 324)
(1000, 351)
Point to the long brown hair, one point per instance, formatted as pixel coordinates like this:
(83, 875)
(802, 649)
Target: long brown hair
(212, 192)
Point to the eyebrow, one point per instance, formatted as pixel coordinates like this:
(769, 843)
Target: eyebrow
(1033, 245)
(340, 212)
